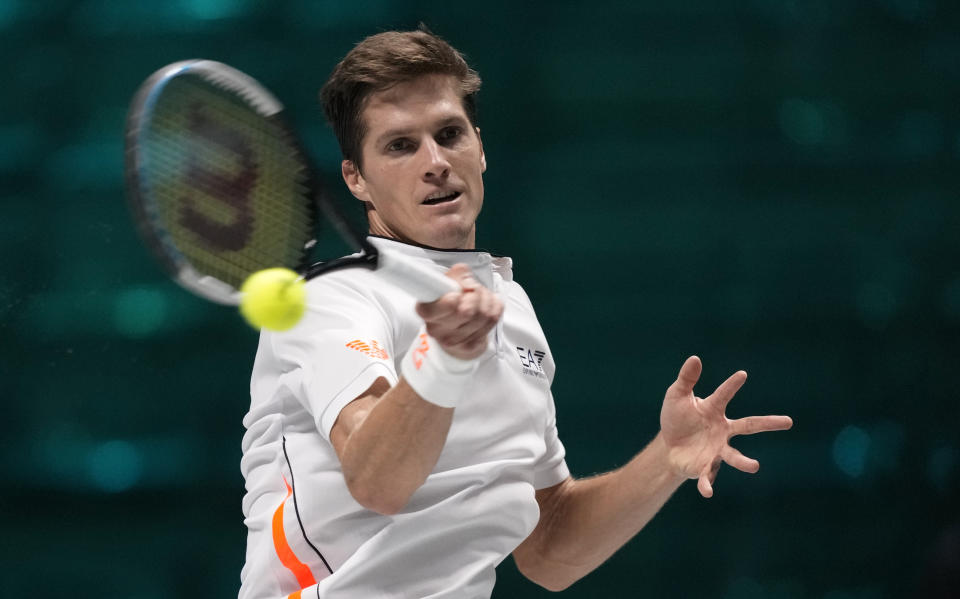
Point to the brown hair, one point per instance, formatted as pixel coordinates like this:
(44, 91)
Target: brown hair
(378, 63)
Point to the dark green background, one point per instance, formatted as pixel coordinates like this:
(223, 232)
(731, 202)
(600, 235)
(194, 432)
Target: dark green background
(770, 185)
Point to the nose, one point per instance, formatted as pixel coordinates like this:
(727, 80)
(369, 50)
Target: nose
(436, 166)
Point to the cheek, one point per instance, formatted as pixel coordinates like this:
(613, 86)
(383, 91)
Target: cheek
(477, 175)
(390, 189)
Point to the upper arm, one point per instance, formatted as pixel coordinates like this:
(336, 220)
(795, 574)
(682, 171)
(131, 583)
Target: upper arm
(353, 414)
(551, 469)
(530, 556)
(338, 351)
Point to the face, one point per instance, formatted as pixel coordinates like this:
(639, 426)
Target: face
(422, 165)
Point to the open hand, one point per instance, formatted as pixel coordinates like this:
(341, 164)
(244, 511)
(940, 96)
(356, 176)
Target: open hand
(697, 431)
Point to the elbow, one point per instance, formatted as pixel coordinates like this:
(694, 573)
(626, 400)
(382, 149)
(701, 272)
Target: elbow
(551, 576)
(555, 586)
(381, 505)
(384, 499)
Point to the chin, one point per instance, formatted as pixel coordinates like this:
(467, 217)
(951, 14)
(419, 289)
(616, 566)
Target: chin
(450, 239)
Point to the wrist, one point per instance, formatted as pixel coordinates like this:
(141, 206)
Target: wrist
(672, 467)
(435, 375)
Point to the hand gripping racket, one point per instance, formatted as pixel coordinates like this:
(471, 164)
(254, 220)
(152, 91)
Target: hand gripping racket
(221, 187)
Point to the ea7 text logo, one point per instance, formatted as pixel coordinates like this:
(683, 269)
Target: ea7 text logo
(532, 361)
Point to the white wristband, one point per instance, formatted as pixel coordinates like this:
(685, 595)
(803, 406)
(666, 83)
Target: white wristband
(434, 374)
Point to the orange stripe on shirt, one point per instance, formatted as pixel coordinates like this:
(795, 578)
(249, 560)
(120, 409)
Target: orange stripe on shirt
(284, 552)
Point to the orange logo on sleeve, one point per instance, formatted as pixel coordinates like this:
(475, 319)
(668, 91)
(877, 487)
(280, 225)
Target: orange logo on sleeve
(420, 351)
(372, 349)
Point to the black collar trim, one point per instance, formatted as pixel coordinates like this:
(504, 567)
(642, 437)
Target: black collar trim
(429, 247)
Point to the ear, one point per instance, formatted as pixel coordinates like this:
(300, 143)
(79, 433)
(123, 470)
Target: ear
(483, 157)
(354, 180)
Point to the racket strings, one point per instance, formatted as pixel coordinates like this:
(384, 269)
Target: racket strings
(228, 185)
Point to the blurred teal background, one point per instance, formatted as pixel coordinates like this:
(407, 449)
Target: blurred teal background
(770, 185)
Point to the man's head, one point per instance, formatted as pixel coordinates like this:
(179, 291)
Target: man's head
(380, 62)
(402, 105)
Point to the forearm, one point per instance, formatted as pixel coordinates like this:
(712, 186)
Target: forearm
(390, 452)
(390, 439)
(585, 523)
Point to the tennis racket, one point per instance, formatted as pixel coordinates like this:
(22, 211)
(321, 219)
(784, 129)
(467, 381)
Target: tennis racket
(221, 187)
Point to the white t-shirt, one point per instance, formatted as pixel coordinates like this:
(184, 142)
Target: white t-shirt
(306, 534)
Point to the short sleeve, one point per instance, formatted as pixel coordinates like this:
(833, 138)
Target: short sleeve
(552, 468)
(343, 344)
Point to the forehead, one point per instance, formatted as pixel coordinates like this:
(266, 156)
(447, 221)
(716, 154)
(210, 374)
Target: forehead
(419, 101)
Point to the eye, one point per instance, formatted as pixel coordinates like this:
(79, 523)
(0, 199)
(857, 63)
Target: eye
(448, 134)
(398, 145)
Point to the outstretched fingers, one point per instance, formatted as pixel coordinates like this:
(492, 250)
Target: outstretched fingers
(760, 424)
(707, 476)
(689, 375)
(703, 485)
(732, 457)
(728, 389)
(739, 461)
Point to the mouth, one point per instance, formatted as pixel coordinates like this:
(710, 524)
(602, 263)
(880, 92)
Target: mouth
(441, 198)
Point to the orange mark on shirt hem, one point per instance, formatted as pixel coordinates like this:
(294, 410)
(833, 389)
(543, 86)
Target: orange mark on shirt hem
(287, 557)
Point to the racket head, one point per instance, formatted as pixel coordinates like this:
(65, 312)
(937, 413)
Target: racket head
(218, 183)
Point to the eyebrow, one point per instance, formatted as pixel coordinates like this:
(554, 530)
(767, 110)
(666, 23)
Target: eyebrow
(403, 132)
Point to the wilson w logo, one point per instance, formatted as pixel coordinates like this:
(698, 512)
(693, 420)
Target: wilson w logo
(372, 349)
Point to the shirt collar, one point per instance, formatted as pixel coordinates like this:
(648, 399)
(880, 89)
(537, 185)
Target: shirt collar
(479, 261)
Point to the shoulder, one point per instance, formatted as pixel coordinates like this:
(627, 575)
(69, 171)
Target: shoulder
(354, 289)
(341, 306)
(517, 296)
(347, 282)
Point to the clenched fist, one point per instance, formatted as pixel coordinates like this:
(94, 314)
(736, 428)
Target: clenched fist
(461, 321)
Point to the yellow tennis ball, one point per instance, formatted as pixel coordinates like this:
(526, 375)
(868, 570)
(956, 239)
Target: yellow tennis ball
(274, 298)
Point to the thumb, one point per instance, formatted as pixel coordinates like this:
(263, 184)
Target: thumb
(689, 374)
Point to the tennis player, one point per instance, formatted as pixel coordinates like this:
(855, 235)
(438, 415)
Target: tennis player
(396, 449)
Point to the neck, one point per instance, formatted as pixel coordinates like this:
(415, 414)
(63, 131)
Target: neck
(467, 241)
